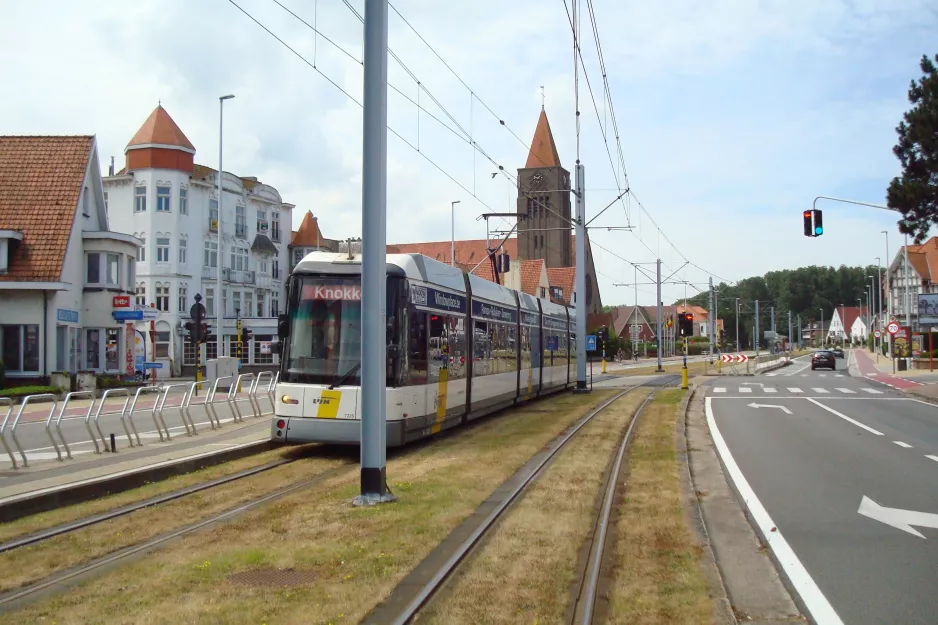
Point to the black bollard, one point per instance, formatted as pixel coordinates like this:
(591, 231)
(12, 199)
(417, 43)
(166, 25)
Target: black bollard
(113, 445)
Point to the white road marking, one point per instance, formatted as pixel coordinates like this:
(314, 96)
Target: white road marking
(794, 390)
(719, 389)
(870, 375)
(745, 389)
(845, 417)
(817, 604)
(839, 375)
(769, 375)
(823, 375)
(804, 375)
(820, 390)
(872, 391)
(847, 391)
(770, 390)
(935, 458)
(901, 444)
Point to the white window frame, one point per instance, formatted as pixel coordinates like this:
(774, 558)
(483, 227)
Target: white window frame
(183, 200)
(164, 197)
(183, 297)
(140, 294)
(162, 250)
(108, 256)
(161, 297)
(210, 254)
(183, 254)
(140, 198)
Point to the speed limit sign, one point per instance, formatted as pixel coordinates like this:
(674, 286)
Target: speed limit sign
(892, 328)
(877, 334)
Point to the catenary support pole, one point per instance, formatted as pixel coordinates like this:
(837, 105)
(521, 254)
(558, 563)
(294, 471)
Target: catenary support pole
(658, 332)
(756, 330)
(374, 271)
(580, 277)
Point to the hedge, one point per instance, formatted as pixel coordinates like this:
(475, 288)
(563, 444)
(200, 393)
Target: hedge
(22, 391)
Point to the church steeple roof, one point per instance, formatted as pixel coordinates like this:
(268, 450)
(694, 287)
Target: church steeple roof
(543, 149)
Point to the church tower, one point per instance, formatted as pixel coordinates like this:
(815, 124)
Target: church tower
(543, 196)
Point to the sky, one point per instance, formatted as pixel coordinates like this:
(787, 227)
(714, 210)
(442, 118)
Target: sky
(732, 116)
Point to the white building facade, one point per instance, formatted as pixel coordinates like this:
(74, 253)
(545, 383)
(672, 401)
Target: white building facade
(61, 266)
(172, 206)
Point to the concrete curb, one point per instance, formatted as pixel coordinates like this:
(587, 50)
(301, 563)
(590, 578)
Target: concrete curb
(722, 608)
(19, 506)
(755, 585)
(780, 365)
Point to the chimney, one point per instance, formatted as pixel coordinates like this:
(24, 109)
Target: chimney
(110, 170)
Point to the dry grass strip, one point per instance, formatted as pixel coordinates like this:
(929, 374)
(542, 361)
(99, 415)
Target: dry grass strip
(356, 555)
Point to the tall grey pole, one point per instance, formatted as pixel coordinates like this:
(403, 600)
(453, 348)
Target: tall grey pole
(800, 333)
(374, 254)
(738, 350)
(889, 297)
(756, 330)
(908, 298)
(580, 287)
(790, 337)
(452, 225)
(658, 333)
(220, 294)
(712, 321)
(822, 328)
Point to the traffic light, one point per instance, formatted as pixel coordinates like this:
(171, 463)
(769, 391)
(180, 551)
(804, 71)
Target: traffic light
(191, 332)
(203, 335)
(813, 223)
(246, 336)
(685, 323)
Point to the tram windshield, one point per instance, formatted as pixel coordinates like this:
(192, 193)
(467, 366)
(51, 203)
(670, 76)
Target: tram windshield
(325, 332)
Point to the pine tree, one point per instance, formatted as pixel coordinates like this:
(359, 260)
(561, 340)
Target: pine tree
(915, 193)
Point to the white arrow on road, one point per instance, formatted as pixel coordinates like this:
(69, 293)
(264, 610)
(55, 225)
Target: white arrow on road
(782, 408)
(897, 517)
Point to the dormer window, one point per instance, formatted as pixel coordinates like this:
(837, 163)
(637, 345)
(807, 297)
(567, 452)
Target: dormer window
(8, 240)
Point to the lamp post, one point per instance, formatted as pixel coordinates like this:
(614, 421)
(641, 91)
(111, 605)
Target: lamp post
(738, 350)
(889, 297)
(219, 296)
(822, 328)
(452, 223)
(843, 322)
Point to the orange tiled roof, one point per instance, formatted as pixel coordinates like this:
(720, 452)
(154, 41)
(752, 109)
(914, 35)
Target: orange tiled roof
(469, 251)
(543, 149)
(40, 185)
(201, 172)
(531, 275)
(306, 235)
(565, 278)
(160, 129)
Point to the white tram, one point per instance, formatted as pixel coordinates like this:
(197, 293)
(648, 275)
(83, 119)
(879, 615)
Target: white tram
(459, 347)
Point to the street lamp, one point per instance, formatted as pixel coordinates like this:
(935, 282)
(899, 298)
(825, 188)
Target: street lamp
(738, 350)
(822, 328)
(219, 296)
(843, 322)
(452, 223)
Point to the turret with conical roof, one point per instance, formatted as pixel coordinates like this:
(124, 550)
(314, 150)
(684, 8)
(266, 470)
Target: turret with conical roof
(160, 144)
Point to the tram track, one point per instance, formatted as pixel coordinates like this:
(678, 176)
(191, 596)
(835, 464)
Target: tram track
(63, 579)
(411, 597)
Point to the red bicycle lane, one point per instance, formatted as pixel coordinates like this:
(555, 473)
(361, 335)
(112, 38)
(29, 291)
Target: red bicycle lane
(867, 367)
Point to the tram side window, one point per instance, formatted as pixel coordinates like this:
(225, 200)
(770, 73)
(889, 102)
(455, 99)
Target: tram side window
(509, 349)
(417, 348)
(458, 366)
(525, 347)
(535, 346)
(482, 349)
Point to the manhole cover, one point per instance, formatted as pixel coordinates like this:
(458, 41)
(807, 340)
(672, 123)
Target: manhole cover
(273, 578)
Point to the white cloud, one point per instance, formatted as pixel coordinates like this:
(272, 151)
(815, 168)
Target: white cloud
(732, 117)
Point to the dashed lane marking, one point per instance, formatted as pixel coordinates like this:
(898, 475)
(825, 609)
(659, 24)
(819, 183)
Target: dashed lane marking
(901, 444)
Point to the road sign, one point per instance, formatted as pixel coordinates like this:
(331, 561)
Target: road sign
(552, 343)
(742, 358)
(727, 357)
(127, 315)
(877, 334)
(591, 342)
(152, 365)
(197, 312)
(892, 328)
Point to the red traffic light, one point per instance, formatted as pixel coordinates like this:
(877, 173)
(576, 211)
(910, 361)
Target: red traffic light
(689, 316)
(807, 213)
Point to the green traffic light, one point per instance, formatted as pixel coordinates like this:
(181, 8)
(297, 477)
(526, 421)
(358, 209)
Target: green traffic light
(818, 230)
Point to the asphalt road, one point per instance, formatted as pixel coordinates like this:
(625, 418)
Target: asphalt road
(32, 435)
(816, 449)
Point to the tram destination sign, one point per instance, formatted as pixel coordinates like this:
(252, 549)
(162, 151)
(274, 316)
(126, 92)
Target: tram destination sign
(426, 297)
(332, 292)
(482, 310)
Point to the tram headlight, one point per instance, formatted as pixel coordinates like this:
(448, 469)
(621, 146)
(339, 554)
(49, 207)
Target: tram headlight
(289, 400)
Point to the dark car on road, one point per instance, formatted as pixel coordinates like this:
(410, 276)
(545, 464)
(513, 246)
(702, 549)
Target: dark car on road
(823, 358)
(838, 353)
